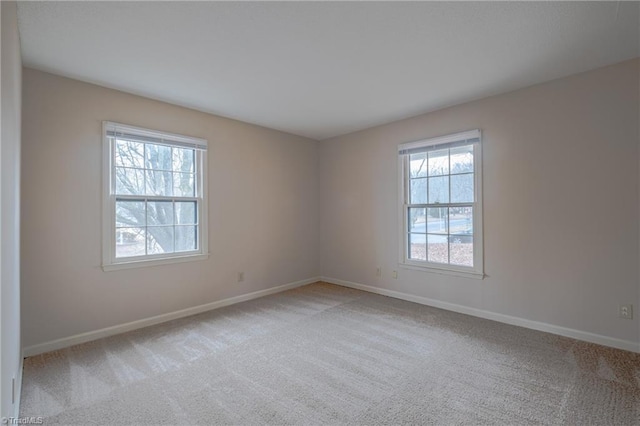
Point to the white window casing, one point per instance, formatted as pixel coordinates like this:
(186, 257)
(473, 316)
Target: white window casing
(440, 223)
(146, 207)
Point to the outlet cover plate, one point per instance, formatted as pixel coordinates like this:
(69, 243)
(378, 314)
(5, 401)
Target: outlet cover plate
(626, 311)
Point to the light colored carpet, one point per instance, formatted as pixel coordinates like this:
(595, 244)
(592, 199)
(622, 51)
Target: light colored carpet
(324, 354)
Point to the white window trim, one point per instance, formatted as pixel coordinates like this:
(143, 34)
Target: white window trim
(109, 261)
(477, 271)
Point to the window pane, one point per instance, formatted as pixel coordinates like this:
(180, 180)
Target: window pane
(418, 165)
(462, 159)
(130, 242)
(159, 239)
(158, 157)
(159, 213)
(183, 185)
(438, 249)
(417, 247)
(129, 154)
(439, 189)
(437, 220)
(439, 162)
(418, 194)
(461, 249)
(186, 238)
(159, 183)
(462, 188)
(417, 220)
(183, 160)
(461, 220)
(129, 181)
(186, 213)
(130, 213)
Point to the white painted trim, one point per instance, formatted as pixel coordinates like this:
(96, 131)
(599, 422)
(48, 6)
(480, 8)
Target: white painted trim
(478, 224)
(108, 221)
(155, 262)
(134, 325)
(506, 319)
(175, 139)
(455, 137)
(442, 271)
(16, 406)
(109, 261)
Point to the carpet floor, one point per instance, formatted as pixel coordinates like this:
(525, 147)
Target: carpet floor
(324, 354)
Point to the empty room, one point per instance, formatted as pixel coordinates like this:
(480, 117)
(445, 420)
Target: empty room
(335, 213)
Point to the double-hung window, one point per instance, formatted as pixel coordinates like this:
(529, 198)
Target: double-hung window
(441, 203)
(155, 207)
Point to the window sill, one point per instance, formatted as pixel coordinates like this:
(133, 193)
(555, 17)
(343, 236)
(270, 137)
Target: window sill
(154, 262)
(436, 270)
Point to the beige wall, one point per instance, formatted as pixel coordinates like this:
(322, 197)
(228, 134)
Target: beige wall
(10, 349)
(560, 203)
(263, 211)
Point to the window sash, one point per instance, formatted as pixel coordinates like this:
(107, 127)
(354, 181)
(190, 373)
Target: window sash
(197, 173)
(448, 234)
(175, 253)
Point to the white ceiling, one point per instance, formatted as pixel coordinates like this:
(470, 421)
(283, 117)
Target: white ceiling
(323, 69)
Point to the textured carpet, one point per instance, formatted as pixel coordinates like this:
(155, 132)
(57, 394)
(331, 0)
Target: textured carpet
(324, 354)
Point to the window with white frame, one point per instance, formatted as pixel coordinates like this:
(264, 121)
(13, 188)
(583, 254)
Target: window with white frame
(154, 197)
(441, 203)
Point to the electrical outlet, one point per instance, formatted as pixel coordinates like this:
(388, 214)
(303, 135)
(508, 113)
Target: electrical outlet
(626, 311)
(240, 277)
(378, 271)
(394, 274)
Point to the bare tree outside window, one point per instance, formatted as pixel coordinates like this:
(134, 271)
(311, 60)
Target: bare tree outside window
(156, 212)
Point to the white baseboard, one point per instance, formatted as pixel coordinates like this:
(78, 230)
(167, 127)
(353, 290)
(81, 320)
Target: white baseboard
(122, 328)
(507, 319)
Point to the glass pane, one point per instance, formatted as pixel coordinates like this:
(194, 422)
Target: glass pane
(437, 220)
(417, 247)
(130, 213)
(461, 249)
(462, 159)
(129, 181)
(439, 162)
(159, 183)
(418, 193)
(130, 242)
(159, 239)
(439, 190)
(158, 157)
(462, 188)
(183, 160)
(186, 238)
(186, 213)
(417, 220)
(438, 248)
(418, 165)
(461, 220)
(129, 154)
(183, 185)
(159, 213)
